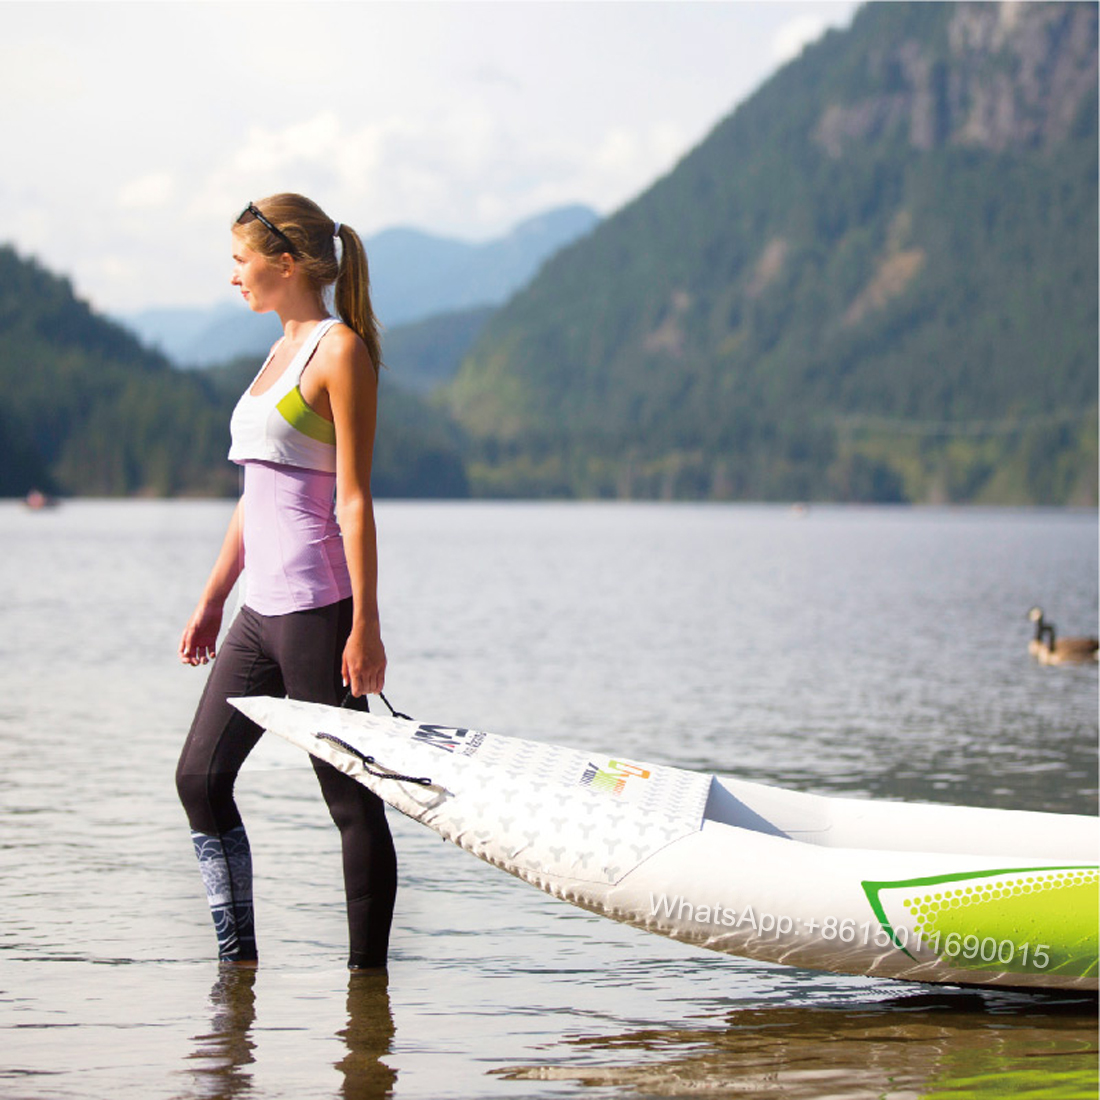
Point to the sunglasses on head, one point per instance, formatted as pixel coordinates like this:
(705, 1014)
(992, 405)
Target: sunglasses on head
(253, 211)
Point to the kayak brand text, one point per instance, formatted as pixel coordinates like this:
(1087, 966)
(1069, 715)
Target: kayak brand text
(449, 739)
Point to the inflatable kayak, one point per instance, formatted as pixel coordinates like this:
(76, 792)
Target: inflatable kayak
(918, 892)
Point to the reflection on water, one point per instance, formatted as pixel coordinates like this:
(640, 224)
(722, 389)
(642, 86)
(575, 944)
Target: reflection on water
(368, 1036)
(220, 1056)
(218, 1066)
(943, 1044)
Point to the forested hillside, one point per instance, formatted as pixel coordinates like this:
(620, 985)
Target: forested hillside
(875, 280)
(425, 354)
(88, 410)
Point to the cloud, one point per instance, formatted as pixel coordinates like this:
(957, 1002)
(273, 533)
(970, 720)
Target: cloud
(468, 169)
(496, 77)
(457, 118)
(793, 36)
(40, 69)
(268, 150)
(156, 189)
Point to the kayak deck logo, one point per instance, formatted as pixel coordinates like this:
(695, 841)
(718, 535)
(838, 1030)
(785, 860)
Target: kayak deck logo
(611, 778)
(449, 738)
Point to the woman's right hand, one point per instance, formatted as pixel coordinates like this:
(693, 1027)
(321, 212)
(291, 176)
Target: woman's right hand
(200, 636)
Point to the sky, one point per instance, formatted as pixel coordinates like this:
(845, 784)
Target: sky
(133, 133)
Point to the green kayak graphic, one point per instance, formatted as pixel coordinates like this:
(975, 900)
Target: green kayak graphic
(1029, 920)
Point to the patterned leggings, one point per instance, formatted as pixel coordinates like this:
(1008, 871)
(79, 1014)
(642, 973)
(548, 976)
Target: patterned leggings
(296, 655)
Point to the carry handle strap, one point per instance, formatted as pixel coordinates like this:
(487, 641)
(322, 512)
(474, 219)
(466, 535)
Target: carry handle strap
(359, 702)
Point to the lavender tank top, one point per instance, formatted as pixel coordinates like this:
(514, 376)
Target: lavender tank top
(293, 551)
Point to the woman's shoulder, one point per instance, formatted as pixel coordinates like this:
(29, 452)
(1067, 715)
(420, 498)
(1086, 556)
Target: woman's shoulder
(342, 345)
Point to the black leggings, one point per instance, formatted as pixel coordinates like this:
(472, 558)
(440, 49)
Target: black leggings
(297, 655)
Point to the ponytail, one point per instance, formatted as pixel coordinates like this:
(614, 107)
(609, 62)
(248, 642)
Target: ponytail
(352, 299)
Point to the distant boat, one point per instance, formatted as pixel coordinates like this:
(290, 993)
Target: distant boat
(37, 500)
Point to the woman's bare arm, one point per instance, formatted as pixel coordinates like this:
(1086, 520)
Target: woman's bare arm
(352, 388)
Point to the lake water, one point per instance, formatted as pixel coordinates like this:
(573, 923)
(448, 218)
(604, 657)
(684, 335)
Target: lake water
(877, 652)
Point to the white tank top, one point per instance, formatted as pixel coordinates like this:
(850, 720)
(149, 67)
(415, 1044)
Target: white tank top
(277, 425)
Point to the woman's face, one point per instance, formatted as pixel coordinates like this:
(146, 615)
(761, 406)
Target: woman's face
(259, 280)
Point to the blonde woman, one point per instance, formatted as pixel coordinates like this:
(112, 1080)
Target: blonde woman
(304, 527)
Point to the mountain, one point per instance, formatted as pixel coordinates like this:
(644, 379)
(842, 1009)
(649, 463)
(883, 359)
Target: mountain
(424, 355)
(875, 280)
(89, 410)
(203, 336)
(414, 275)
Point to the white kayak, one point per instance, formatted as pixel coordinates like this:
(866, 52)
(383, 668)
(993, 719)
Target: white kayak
(919, 892)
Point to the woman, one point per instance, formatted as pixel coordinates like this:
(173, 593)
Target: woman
(304, 527)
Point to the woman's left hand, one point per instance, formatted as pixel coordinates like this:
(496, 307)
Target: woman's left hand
(364, 662)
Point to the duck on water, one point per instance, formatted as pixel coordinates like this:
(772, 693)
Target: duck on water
(1049, 649)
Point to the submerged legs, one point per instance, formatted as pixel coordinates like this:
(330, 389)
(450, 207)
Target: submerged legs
(226, 865)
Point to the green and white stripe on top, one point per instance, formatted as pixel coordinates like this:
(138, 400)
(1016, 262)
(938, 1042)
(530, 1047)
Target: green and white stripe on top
(278, 426)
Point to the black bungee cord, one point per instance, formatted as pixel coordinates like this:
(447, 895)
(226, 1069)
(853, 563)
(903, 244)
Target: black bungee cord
(359, 702)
